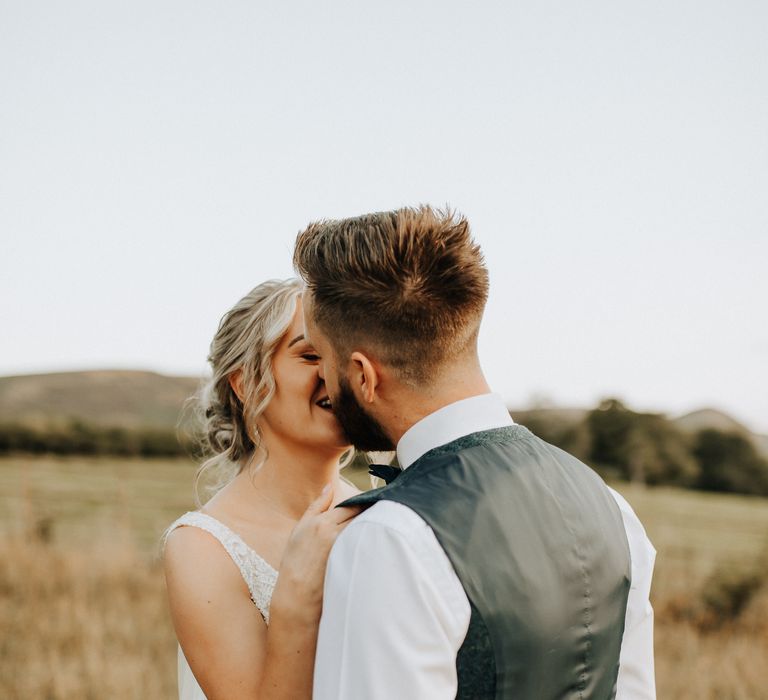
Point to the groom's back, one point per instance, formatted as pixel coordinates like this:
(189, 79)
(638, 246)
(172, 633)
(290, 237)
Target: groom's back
(394, 303)
(538, 544)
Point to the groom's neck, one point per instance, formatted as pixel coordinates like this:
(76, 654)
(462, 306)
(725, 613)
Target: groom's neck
(411, 404)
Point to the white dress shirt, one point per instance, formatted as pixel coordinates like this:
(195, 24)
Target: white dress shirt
(394, 612)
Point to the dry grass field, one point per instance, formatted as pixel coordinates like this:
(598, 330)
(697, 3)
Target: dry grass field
(82, 600)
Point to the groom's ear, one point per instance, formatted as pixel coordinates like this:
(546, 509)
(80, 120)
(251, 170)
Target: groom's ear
(365, 374)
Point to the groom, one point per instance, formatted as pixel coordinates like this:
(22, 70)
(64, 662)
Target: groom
(495, 565)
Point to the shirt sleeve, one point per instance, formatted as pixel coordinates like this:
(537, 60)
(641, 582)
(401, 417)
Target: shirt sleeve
(636, 679)
(394, 612)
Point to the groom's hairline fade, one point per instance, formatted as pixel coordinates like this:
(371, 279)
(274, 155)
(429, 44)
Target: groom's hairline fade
(410, 284)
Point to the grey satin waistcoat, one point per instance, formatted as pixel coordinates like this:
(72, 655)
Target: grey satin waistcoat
(539, 545)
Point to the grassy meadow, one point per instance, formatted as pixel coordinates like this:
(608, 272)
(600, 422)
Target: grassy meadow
(82, 598)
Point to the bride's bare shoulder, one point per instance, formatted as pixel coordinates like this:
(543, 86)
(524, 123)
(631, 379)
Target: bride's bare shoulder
(193, 559)
(220, 630)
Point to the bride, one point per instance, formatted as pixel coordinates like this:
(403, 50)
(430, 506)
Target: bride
(245, 632)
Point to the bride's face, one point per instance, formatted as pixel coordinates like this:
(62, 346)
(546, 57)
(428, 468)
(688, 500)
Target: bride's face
(299, 411)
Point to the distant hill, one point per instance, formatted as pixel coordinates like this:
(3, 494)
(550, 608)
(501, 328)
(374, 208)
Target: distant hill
(115, 398)
(711, 418)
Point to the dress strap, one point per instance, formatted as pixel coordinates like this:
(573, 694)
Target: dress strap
(259, 575)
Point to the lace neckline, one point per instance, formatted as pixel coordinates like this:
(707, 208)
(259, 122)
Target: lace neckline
(234, 536)
(260, 576)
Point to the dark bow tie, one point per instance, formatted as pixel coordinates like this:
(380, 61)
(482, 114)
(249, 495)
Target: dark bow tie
(384, 471)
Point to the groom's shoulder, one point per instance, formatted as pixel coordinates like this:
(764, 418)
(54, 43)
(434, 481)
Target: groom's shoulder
(391, 515)
(392, 520)
(390, 534)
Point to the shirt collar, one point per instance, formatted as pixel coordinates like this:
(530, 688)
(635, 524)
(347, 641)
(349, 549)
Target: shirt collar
(450, 423)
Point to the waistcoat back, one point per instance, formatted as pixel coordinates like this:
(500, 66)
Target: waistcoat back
(538, 543)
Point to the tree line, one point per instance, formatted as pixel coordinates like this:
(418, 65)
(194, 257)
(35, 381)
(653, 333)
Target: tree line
(79, 438)
(617, 442)
(648, 448)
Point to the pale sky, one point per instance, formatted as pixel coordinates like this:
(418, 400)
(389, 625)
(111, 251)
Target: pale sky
(158, 158)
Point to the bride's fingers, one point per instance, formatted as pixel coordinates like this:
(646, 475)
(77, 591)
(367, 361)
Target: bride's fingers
(339, 527)
(346, 513)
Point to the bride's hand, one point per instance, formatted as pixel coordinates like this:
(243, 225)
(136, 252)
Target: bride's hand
(299, 589)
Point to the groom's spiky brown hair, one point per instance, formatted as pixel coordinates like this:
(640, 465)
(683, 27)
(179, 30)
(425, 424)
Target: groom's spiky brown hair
(409, 284)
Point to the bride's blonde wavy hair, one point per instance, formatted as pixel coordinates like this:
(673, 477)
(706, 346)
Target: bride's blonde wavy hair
(246, 340)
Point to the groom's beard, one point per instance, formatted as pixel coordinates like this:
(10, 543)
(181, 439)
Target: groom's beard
(363, 431)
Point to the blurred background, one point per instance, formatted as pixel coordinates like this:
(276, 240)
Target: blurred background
(157, 160)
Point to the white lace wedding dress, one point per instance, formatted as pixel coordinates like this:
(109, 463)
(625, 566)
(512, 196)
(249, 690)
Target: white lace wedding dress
(258, 574)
